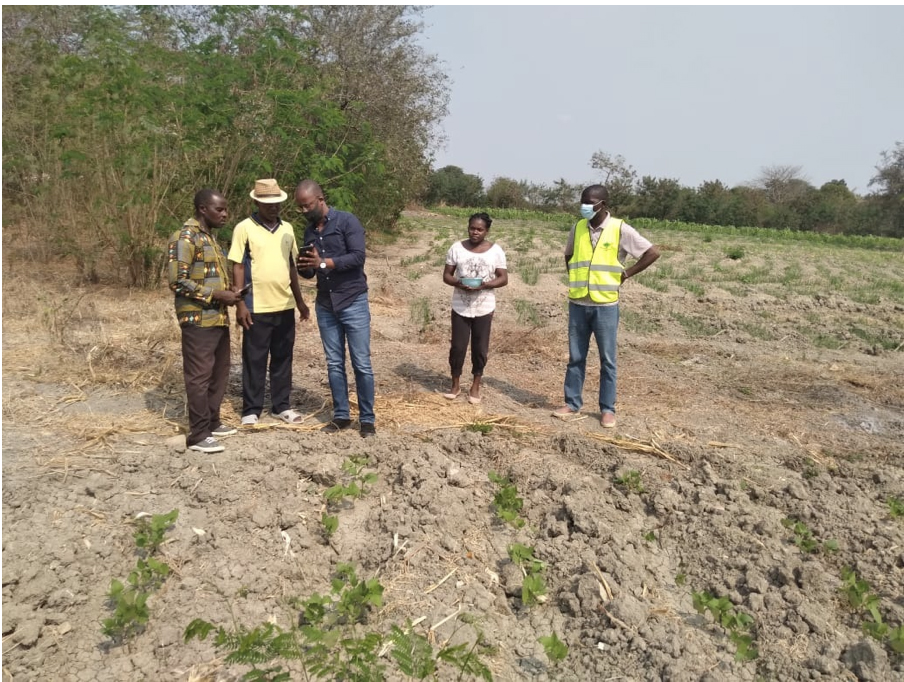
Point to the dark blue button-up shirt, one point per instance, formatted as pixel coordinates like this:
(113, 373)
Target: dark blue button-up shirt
(342, 239)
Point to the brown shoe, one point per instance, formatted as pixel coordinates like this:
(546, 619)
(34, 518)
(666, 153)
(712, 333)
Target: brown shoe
(607, 420)
(565, 413)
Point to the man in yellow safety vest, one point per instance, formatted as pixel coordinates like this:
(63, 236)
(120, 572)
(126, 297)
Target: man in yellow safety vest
(595, 255)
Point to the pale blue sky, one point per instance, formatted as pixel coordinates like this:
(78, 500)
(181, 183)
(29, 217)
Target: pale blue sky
(696, 94)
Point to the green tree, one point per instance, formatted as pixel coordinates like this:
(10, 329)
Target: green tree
(617, 175)
(505, 193)
(889, 200)
(451, 185)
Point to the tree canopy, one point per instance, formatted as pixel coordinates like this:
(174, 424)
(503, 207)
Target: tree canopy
(115, 116)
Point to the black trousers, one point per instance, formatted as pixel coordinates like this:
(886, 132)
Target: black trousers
(205, 365)
(273, 335)
(475, 329)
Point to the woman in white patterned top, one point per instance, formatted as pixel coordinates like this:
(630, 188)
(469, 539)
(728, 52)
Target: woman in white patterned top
(473, 306)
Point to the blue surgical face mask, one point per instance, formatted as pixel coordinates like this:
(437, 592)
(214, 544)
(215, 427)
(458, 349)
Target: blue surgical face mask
(587, 211)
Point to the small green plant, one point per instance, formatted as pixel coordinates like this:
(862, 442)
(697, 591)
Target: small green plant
(530, 272)
(420, 314)
(856, 592)
(129, 600)
(895, 507)
(478, 426)
(330, 524)
(506, 502)
(533, 587)
(630, 481)
(737, 623)
(858, 596)
(556, 650)
(735, 252)
(150, 532)
(803, 538)
(650, 536)
(681, 579)
(331, 641)
(357, 483)
(527, 313)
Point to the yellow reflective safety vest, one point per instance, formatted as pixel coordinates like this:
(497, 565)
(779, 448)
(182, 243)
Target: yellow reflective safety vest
(595, 271)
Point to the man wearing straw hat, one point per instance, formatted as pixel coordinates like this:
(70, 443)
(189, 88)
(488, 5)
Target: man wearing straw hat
(263, 253)
(198, 275)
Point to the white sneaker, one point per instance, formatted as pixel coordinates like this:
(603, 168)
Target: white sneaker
(250, 420)
(208, 445)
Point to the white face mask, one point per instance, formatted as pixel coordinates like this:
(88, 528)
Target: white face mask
(587, 210)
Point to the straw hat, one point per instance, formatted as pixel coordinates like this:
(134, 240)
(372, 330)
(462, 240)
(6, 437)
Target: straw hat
(268, 192)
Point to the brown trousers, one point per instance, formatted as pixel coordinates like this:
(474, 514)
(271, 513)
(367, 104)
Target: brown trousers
(205, 364)
(478, 329)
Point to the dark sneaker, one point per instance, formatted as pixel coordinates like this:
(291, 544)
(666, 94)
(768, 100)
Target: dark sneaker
(222, 430)
(336, 425)
(207, 445)
(368, 430)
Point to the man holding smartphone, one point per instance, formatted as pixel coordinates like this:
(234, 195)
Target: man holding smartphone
(198, 275)
(334, 253)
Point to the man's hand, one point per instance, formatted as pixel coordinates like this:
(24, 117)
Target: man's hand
(243, 315)
(304, 312)
(227, 296)
(308, 260)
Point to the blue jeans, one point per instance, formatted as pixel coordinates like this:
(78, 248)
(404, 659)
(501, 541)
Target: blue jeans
(602, 322)
(353, 325)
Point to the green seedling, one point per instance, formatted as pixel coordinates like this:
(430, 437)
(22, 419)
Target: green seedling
(523, 556)
(681, 579)
(895, 507)
(630, 481)
(803, 538)
(129, 600)
(357, 487)
(556, 650)
(533, 588)
(331, 641)
(130, 612)
(737, 623)
(856, 592)
(149, 533)
(478, 426)
(330, 524)
(650, 536)
(735, 252)
(506, 502)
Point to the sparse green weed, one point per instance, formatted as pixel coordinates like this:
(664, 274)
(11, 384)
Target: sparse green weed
(506, 502)
(895, 507)
(129, 599)
(332, 643)
(420, 313)
(737, 623)
(556, 650)
(631, 481)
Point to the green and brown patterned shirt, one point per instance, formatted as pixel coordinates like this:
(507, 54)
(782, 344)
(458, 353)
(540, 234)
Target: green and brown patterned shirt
(197, 268)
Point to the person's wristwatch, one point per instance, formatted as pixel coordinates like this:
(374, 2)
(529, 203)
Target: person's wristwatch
(323, 265)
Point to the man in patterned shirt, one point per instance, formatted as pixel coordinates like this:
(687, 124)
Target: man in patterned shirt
(199, 277)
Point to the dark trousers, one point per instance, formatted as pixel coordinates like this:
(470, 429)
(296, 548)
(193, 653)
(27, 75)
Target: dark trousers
(205, 364)
(475, 329)
(271, 334)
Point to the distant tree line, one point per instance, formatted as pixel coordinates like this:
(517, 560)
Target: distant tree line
(780, 197)
(113, 117)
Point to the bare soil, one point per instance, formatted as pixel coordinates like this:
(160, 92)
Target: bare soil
(760, 430)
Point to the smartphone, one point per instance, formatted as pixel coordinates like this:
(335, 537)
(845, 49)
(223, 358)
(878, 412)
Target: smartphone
(307, 248)
(245, 289)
